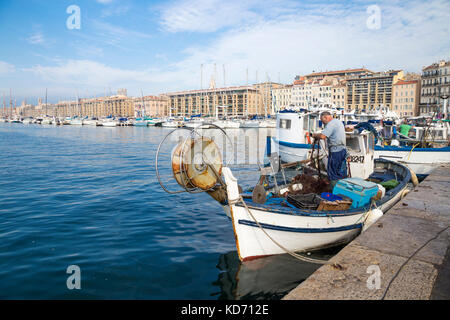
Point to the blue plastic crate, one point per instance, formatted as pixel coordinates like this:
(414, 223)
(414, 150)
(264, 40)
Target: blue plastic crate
(357, 189)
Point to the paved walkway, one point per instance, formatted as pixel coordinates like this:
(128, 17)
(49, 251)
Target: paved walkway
(404, 255)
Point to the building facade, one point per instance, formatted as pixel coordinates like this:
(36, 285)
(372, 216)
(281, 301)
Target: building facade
(434, 87)
(230, 101)
(339, 94)
(369, 91)
(281, 98)
(406, 97)
(151, 106)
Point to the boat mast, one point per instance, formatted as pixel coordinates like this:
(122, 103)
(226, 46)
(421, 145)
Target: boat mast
(45, 98)
(143, 105)
(10, 103)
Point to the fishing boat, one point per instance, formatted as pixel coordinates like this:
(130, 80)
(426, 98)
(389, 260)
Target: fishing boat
(293, 142)
(265, 222)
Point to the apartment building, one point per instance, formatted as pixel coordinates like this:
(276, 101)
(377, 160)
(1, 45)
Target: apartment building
(339, 94)
(369, 91)
(435, 87)
(281, 98)
(339, 74)
(229, 101)
(406, 97)
(151, 106)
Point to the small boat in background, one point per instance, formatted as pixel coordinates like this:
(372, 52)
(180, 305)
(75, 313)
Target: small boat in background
(249, 124)
(46, 120)
(139, 122)
(76, 122)
(90, 122)
(109, 123)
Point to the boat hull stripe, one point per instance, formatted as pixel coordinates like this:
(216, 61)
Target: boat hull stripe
(299, 230)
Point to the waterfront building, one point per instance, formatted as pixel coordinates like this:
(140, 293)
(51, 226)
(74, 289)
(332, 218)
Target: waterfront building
(371, 90)
(339, 94)
(229, 101)
(339, 74)
(327, 88)
(308, 93)
(151, 106)
(265, 97)
(435, 85)
(406, 97)
(281, 97)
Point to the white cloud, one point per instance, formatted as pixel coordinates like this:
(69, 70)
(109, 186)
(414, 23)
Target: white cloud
(206, 15)
(104, 1)
(114, 11)
(6, 68)
(87, 73)
(36, 38)
(326, 37)
(288, 41)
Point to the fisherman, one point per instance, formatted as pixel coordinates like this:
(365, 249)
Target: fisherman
(334, 132)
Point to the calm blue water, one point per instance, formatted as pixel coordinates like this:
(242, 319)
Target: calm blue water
(88, 196)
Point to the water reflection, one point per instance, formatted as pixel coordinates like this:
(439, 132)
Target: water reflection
(266, 278)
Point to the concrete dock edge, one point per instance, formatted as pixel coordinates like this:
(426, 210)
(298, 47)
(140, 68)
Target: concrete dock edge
(404, 255)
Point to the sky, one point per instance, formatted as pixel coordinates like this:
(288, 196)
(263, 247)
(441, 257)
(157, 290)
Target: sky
(153, 47)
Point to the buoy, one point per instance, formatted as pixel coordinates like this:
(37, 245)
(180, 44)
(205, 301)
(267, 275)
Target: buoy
(372, 217)
(196, 163)
(414, 179)
(308, 137)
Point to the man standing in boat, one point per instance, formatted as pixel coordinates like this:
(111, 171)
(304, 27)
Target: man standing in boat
(334, 132)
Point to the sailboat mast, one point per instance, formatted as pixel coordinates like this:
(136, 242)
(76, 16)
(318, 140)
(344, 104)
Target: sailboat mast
(143, 104)
(10, 103)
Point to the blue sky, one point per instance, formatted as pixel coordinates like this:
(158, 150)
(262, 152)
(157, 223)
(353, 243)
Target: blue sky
(158, 46)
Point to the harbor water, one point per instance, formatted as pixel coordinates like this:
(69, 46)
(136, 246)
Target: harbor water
(89, 197)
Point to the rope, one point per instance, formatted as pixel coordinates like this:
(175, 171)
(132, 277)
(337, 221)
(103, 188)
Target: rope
(293, 254)
(409, 155)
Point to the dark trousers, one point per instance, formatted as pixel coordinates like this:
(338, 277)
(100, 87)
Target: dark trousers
(337, 166)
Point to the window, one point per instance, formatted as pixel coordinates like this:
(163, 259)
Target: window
(285, 124)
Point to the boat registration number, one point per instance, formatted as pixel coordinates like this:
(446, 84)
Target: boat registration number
(357, 159)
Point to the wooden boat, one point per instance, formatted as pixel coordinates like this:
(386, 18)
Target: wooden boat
(256, 226)
(263, 222)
